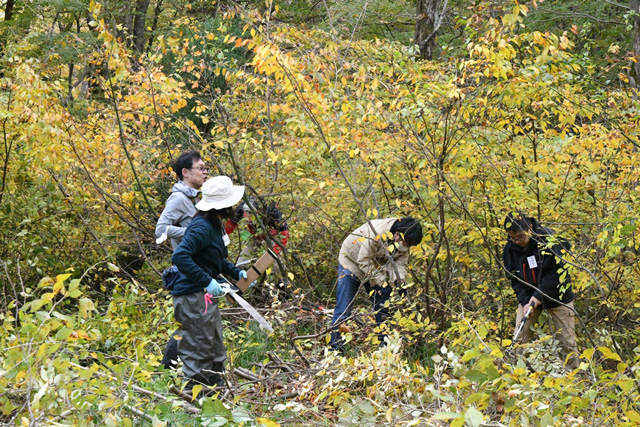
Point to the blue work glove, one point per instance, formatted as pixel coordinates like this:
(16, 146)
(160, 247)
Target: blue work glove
(214, 289)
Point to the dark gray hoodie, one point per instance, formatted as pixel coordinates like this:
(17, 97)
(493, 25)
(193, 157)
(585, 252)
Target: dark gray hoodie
(177, 214)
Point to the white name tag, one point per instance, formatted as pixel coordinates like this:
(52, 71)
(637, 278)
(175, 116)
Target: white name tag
(226, 239)
(532, 261)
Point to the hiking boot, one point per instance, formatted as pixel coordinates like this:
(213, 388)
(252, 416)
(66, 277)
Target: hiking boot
(217, 379)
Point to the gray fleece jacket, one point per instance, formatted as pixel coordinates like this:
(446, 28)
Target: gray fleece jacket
(178, 213)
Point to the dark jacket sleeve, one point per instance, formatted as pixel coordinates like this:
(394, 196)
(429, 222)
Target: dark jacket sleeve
(521, 290)
(550, 278)
(183, 255)
(229, 269)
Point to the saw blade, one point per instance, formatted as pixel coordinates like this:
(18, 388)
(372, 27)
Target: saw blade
(252, 311)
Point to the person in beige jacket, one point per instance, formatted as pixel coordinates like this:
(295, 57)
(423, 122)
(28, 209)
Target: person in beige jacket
(374, 256)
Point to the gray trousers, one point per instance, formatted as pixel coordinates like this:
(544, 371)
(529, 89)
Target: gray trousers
(201, 346)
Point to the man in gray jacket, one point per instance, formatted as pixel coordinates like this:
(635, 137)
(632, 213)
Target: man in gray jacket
(374, 256)
(180, 207)
(177, 215)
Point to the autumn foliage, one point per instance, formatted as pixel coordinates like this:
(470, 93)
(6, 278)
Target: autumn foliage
(336, 130)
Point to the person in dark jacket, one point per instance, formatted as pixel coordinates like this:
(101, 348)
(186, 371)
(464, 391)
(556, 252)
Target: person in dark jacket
(176, 216)
(201, 257)
(532, 259)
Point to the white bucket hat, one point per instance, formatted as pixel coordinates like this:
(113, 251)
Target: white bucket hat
(219, 193)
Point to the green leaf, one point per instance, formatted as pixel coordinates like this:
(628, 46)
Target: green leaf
(476, 397)
(63, 334)
(470, 354)
(547, 419)
(85, 305)
(473, 417)
(212, 407)
(476, 377)
(366, 407)
(241, 415)
(625, 385)
(446, 416)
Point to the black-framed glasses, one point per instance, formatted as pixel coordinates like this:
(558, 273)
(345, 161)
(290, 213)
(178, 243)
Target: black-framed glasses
(202, 169)
(518, 238)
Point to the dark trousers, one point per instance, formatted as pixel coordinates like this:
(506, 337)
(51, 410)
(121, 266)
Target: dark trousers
(201, 346)
(347, 288)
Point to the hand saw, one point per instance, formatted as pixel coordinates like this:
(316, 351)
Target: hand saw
(231, 290)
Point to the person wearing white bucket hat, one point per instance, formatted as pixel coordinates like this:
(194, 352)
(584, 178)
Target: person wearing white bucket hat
(201, 257)
(176, 216)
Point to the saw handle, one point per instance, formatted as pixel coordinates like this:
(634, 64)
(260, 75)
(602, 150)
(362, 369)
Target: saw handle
(522, 322)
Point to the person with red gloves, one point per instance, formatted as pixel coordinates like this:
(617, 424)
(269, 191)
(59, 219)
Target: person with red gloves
(270, 216)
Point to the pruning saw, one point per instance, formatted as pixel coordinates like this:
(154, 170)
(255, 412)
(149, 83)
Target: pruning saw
(522, 322)
(231, 290)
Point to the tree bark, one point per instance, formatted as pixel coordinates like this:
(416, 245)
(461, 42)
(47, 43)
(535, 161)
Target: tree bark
(154, 26)
(139, 24)
(427, 22)
(635, 7)
(8, 10)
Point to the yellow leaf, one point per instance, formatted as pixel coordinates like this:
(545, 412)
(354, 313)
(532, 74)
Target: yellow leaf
(195, 391)
(58, 287)
(633, 416)
(267, 422)
(62, 277)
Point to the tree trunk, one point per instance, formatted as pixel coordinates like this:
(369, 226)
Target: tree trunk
(139, 24)
(8, 10)
(154, 26)
(427, 22)
(635, 7)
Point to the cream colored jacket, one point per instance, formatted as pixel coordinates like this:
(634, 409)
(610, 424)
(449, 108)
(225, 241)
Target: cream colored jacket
(371, 256)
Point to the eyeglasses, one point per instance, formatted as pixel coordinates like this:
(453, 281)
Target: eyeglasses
(202, 169)
(518, 238)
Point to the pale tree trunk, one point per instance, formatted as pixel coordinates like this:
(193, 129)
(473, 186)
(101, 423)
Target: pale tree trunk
(428, 20)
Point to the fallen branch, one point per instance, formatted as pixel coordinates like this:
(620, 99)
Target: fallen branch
(188, 407)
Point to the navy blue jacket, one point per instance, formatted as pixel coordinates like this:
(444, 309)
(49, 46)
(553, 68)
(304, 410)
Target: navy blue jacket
(546, 276)
(201, 256)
